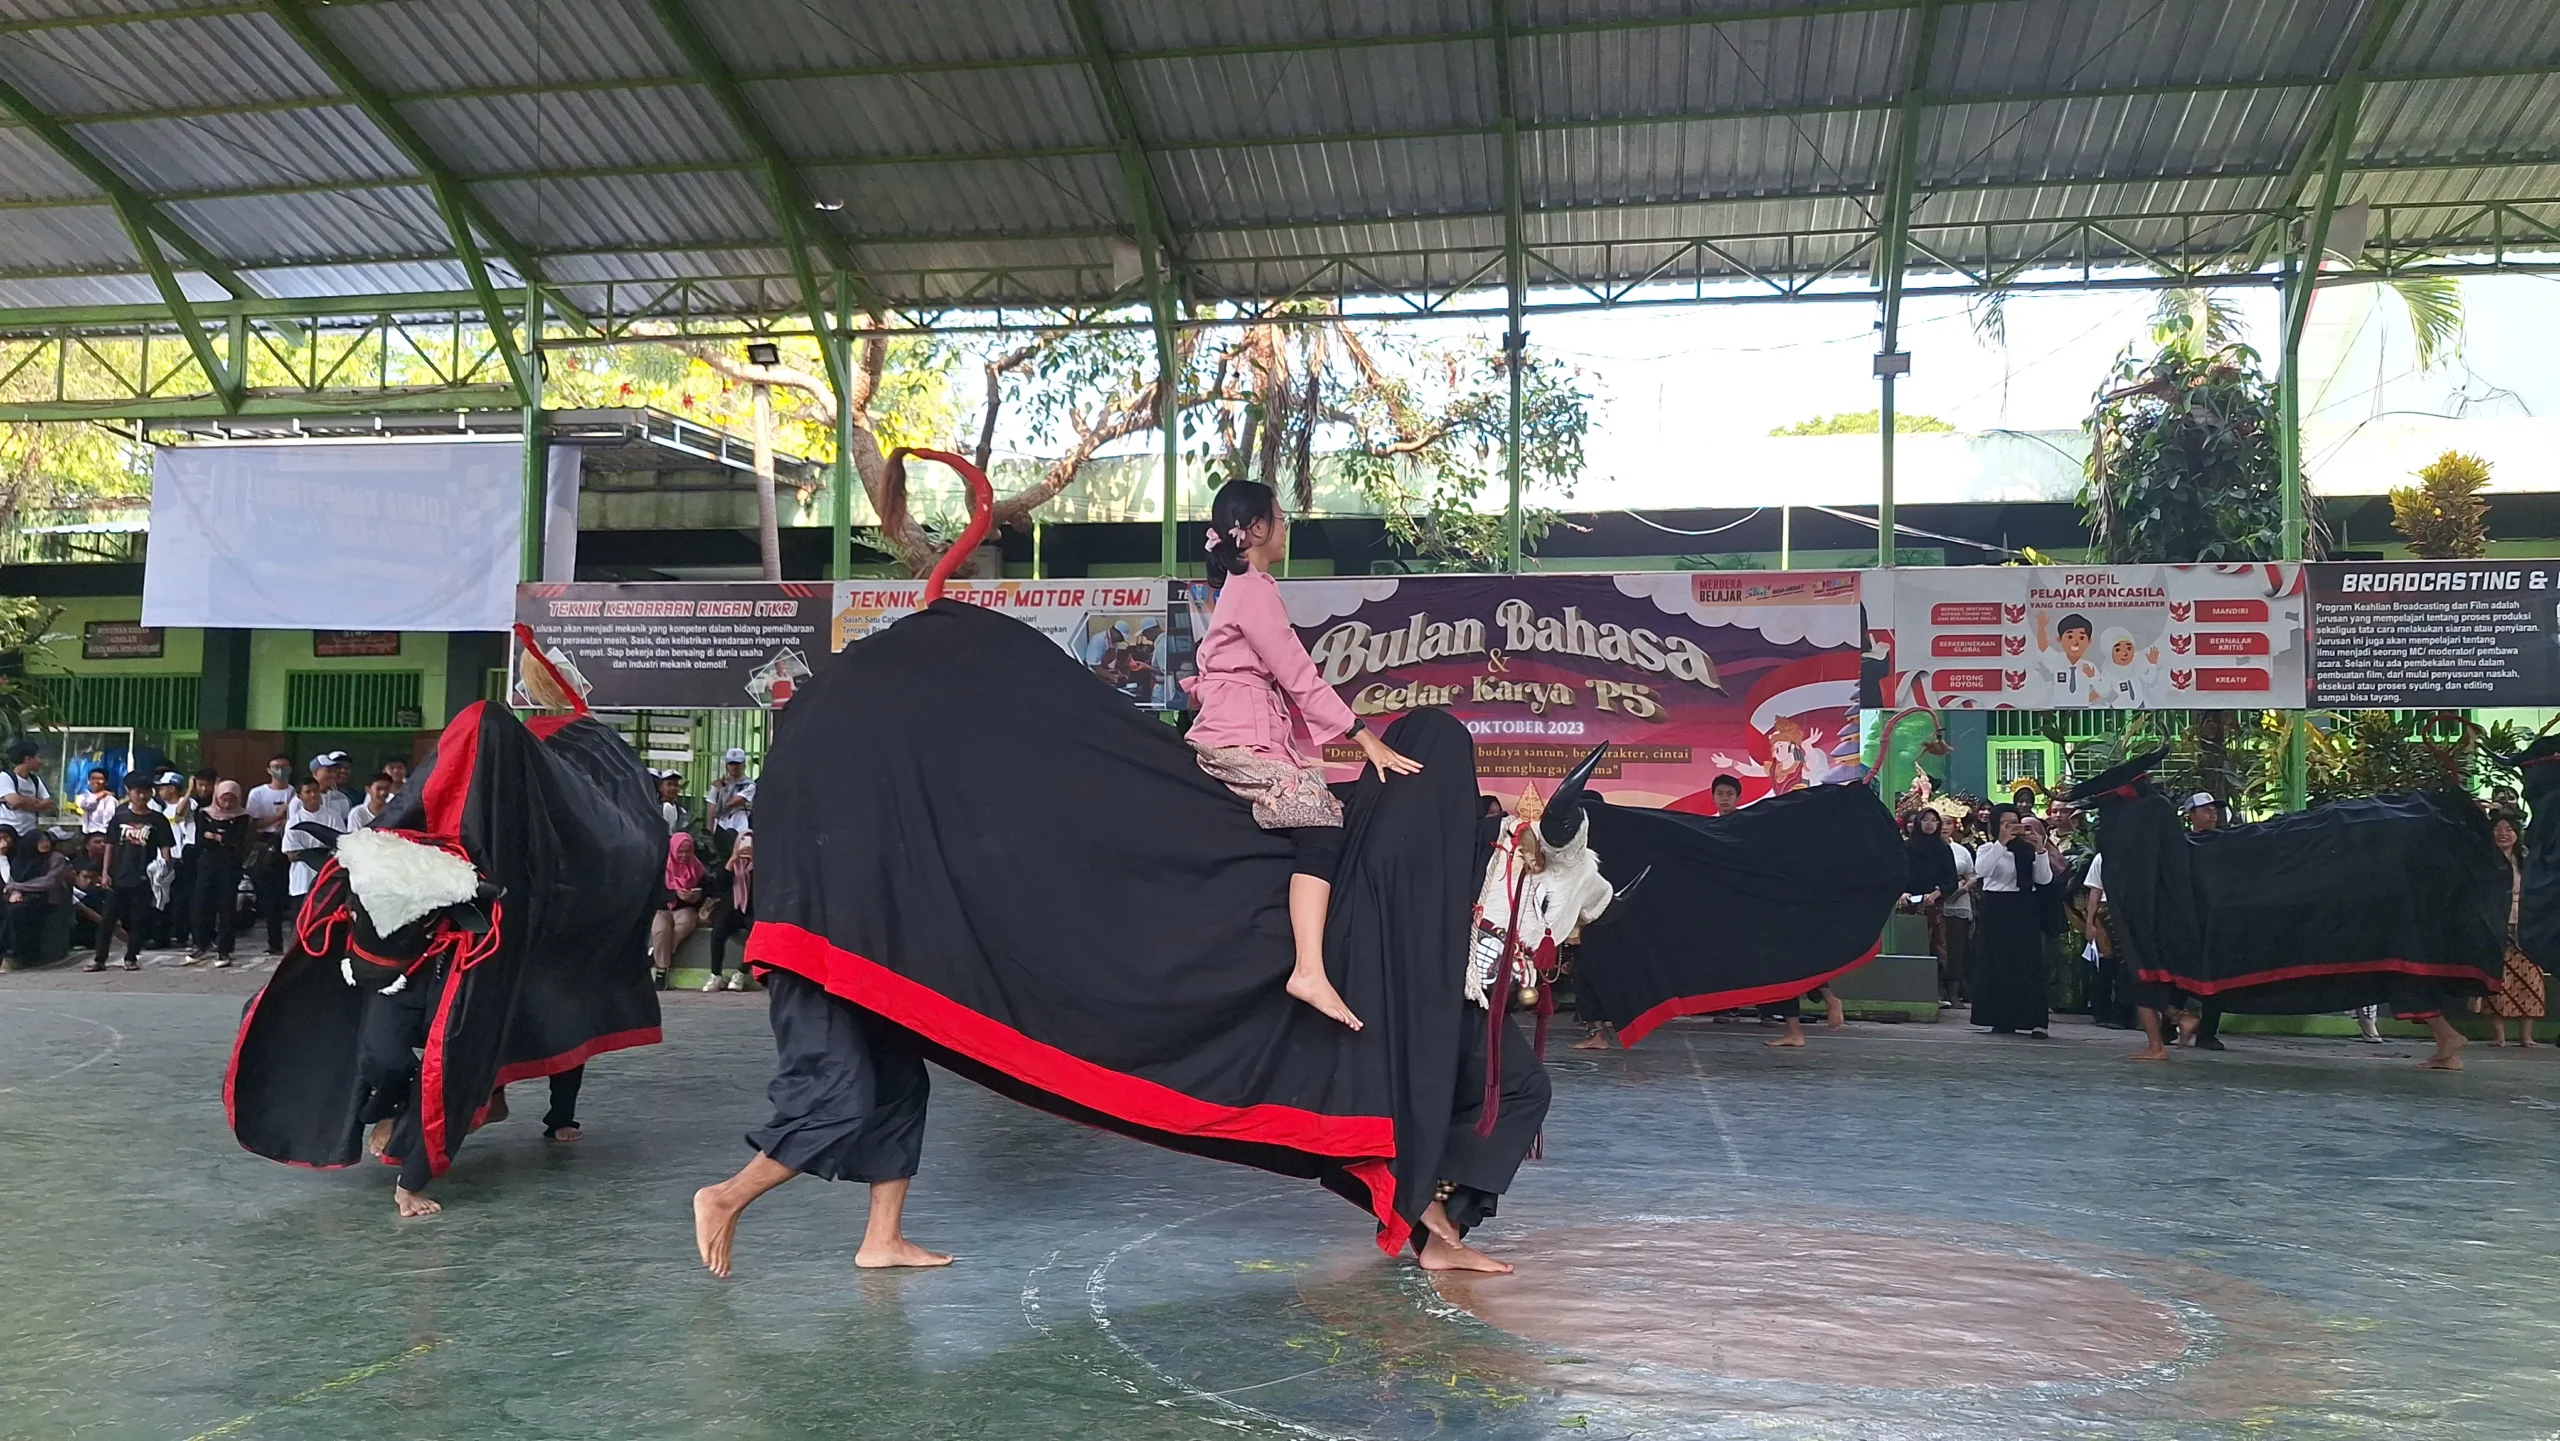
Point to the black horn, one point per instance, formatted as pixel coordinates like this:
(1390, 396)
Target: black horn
(1563, 819)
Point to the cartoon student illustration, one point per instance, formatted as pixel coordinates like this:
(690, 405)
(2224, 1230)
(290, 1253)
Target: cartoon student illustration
(2064, 673)
(2125, 680)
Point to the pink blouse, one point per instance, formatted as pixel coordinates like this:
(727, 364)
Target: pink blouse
(1257, 687)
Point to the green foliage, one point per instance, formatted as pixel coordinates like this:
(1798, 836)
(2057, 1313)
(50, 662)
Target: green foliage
(1419, 426)
(2443, 515)
(2241, 755)
(1866, 422)
(2182, 460)
(61, 472)
(2434, 307)
(25, 630)
(915, 404)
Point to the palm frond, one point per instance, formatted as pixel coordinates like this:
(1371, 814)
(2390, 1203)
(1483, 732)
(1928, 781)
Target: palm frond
(2434, 305)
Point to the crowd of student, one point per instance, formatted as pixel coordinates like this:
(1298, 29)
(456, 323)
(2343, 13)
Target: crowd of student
(175, 860)
(710, 875)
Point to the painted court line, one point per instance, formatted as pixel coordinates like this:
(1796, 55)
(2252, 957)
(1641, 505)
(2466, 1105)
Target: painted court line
(361, 1373)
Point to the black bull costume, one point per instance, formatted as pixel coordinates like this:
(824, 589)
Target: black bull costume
(965, 833)
(560, 820)
(2394, 900)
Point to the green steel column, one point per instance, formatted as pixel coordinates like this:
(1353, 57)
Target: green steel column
(1168, 399)
(2297, 297)
(1515, 280)
(1884, 489)
(839, 375)
(537, 508)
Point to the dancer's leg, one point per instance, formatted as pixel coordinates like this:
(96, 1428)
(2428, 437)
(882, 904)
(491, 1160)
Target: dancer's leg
(1310, 899)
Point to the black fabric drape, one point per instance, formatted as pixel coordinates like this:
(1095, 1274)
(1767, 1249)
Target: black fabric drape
(964, 831)
(2397, 900)
(1761, 905)
(563, 822)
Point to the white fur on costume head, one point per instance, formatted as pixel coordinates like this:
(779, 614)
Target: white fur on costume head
(398, 880)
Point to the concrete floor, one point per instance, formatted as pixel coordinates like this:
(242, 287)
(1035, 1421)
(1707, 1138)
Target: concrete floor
(1905, 1231)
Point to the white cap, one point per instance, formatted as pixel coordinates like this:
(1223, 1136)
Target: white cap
(735, 757)
(171, 778)
(2201, 800)
(326, 759)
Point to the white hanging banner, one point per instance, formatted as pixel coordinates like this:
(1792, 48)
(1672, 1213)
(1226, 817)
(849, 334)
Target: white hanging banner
(383, 535)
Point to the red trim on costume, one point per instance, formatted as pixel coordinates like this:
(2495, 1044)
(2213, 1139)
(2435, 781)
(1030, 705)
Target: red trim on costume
(1394, 1232)
(946, 1022)
(1637, 1029)
(570, 1060)
(457, 753)
(545, 726)
(2388, 966)
(431, 1080)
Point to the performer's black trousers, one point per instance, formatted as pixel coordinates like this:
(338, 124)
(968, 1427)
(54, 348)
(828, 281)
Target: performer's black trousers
(388, 1037)
(848, 1090)
(1482, 1166)
(564, 1099)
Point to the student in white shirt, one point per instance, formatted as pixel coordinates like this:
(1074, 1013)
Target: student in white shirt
(2011, 968)
(268, 806)
(97, 804)
(377, 798)
(2065, 674)
(24, 801)
(310, 807)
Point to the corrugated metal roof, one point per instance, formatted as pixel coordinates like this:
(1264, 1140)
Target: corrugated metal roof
(965, 147)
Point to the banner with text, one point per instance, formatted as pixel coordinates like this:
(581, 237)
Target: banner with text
(751, 644)
(1687, 674)
(2133, 637)
(661, 645)
(2426, 634)
(1123, 630)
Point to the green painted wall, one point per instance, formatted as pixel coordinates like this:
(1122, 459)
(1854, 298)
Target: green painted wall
(275, 653)
(182, 652)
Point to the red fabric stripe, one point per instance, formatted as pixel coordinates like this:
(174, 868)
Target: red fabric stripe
(544, 727)
(1394, 1232)
(457, 753)
(570, 1060)
(940, 1019)
(1637, 1029)
(2389, 966)
(431, 1077)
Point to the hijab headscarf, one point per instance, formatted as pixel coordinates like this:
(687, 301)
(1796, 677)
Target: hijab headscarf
(742, 874)
(1933, 866)
(226, 802)
(684, 869)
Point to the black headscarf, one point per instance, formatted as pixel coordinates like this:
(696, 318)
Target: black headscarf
(1933, 865)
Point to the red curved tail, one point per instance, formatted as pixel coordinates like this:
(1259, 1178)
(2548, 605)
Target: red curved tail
(982, 503)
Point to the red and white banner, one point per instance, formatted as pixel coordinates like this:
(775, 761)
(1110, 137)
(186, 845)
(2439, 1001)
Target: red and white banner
(2138, 637)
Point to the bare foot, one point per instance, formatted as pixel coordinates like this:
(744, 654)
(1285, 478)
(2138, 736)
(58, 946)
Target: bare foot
(715, 1225)
(1440, 1253)
(1312, 988)
(1785, 1041)
(378, 1140)
(2441, 1063)
(412, 1204)
(892, 1254)
(563, 1134)
(2153, 1053)
(1596, 1041)
(2187, 1030)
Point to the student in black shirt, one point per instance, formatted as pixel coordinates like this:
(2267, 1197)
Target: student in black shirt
(225, 835)
(137, 835)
